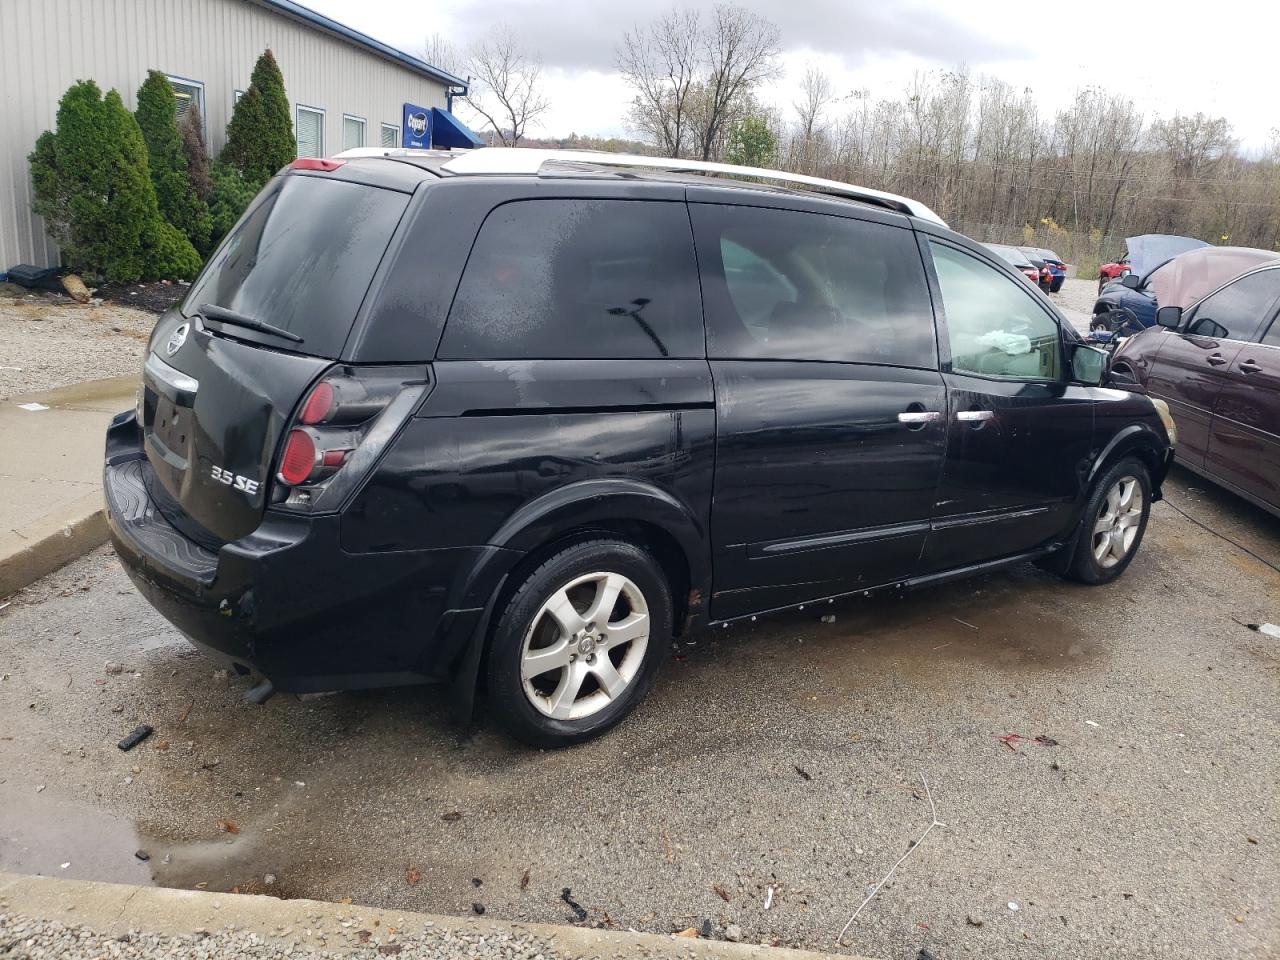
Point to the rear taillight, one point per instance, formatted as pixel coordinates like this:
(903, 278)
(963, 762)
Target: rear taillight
(339, 430)
(299, 458)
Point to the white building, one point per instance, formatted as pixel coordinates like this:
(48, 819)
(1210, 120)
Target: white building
(345, 88)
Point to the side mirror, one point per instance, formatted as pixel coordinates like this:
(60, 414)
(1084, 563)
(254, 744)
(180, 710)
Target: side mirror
(1131, 281)
(1088, 365)
(1170, 317)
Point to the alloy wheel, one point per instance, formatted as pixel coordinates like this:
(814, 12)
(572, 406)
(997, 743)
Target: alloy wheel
(584, 646)
(1116, 527)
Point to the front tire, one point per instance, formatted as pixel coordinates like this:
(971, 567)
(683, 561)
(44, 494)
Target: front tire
(1101, 321)
(579, 643)
(1114, 521)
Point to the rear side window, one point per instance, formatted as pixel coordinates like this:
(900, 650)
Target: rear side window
(303, 259)
(1237, 312)
(785, 285)
(578, 279)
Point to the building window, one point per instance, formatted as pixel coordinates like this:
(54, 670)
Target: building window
(187, 93)
(310, 126)
(390, 135)
(352, 131)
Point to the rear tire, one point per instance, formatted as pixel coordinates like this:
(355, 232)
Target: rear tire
(1101, 321)
(1114, 521)
(579, 643)
(1057, 284)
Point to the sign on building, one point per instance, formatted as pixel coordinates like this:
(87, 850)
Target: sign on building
(417, 126)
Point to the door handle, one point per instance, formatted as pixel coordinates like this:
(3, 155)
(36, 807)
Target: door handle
(1249, 366)
(1216, 359)
(974, 416)
(918, 418)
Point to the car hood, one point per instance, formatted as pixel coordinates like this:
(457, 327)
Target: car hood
(1197, 273)
(1152, 249)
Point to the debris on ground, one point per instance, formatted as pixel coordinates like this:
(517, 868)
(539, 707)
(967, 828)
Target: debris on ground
(965, 623)
(1267, 629)
(804, 774)
(973, 921)
(720, 892)
(1013, 906)
(453, 816)
(477, 908)
(768, 898)
(139, 734)
(579, 912)
(227, 826)
(412, 875)
(733, 933)
(524, 879)
(933, 822)
(76, 289)
(1010, 739)
(142, 855)
(690, 932)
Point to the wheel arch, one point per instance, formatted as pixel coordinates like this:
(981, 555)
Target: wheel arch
(621, 508)
(1141, 441)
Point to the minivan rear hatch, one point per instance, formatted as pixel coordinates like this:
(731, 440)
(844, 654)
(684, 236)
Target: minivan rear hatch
(268, 315)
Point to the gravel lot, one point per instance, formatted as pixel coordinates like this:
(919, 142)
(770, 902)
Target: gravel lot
(786, 756)
(49, 940)
(49, 341)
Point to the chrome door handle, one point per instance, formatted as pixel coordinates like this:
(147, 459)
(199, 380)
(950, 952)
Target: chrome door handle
(1216, 359)
(971, 416)
(1249, 367)
(916, 418)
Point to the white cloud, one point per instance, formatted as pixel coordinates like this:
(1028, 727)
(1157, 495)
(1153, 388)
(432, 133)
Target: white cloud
(1175, 56)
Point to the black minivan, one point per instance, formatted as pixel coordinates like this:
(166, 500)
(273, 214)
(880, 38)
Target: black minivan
(514, 419)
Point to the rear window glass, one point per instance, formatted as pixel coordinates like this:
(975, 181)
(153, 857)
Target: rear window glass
(786, 285)
(579, 279)
(303, 260)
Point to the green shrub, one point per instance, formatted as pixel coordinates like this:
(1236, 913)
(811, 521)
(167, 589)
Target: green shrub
(260, 135)
(158, 117)
(228, 198)
(93, 188)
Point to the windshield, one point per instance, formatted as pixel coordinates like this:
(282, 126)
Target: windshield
(302, 260)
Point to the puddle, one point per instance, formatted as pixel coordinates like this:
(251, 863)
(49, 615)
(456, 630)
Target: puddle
(38, 834)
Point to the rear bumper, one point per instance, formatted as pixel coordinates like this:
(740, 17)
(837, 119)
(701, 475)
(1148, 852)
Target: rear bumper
(288, 602)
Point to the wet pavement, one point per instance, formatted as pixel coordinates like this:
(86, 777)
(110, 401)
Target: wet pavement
(784, 756)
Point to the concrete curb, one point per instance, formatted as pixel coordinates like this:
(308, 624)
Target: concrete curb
(46, 545)
(52, 496)
(115, 908)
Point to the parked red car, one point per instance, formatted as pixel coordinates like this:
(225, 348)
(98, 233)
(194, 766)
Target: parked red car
(1217, 366)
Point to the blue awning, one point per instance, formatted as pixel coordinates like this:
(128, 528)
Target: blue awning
(448, 131)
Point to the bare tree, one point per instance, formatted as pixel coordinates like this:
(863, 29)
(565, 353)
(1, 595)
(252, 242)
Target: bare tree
(506, 85)
(693, 79)
(810, 135)
(660, 62)
(439, 52)
(741, 51)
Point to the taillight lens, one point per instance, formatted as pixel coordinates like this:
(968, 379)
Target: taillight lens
(350, 411)
(298, 459)
(318, 403)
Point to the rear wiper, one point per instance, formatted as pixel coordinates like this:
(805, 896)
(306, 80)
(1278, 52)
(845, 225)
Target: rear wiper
(211, 311)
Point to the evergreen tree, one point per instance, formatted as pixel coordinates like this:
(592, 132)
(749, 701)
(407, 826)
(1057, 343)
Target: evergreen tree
(229, 195)
(175, 195)
(93, 188)
(260, 135)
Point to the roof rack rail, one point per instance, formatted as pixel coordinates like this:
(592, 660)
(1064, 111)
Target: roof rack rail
(522, 160)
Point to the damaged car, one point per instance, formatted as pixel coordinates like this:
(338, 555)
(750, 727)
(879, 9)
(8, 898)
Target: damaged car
(511, 420)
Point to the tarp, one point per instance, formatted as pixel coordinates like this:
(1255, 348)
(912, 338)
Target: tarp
(1197, 273)
(448, 131)
(1152, 249)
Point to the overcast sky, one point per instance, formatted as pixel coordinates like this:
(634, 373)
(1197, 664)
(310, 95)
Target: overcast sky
(1220, 58)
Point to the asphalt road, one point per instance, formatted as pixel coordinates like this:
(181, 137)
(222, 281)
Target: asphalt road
(788, 755)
